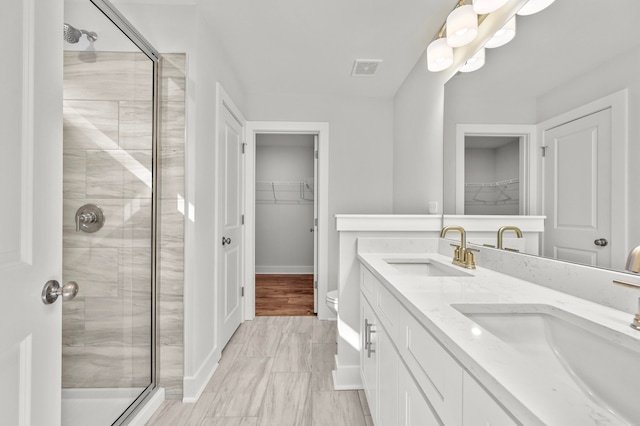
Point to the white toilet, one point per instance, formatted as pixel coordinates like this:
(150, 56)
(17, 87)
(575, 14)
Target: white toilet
(332, 301)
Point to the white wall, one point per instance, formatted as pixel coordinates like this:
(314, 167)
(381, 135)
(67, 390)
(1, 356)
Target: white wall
(617, 74)
(284, 243)
(360, 148)
(171, 28)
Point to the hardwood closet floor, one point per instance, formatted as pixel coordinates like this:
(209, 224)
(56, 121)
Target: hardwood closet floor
(284, 295)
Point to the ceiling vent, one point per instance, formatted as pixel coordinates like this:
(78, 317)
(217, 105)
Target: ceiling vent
(365, 67)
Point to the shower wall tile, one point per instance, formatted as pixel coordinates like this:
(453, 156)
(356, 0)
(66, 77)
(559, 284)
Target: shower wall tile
(75, 174)
(137, 165)
(105, 173)
(136, 124)
(73, 320)
(110, 235)
(90, 125)
(95, 270)
(137, 222)
(172, 124)
(108, 161)
(172, 76)
(113, 76)
(171, 221)
(172, 171)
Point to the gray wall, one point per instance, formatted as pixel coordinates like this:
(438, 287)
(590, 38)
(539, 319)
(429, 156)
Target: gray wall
(360, 149)
(284, 243)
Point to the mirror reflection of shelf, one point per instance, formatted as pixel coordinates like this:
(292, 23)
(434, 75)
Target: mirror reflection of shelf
(283, 192)
(500, 192)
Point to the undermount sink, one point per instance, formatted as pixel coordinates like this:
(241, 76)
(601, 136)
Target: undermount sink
(602, 363)
(426, 267)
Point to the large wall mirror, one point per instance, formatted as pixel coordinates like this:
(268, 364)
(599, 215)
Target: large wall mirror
(551, 126)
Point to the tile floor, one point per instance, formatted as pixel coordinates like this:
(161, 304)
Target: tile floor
(275, 371)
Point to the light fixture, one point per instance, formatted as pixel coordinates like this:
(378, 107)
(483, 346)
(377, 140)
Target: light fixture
(534, 6)
(474, 63)
(504, 35)
(439, 55)
(483, 7)
(462, 25)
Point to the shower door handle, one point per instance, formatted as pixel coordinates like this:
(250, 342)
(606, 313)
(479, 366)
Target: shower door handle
(52, 290)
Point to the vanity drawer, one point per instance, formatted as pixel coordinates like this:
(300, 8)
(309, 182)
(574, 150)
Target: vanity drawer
(436, 372)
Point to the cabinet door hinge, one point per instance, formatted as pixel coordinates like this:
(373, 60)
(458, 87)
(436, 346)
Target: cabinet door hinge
(244, 145)
(544, 150)
(242, 220)
(242, 292)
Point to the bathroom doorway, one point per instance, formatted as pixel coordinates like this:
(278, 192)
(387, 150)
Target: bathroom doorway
(109, 215)
(285, 254)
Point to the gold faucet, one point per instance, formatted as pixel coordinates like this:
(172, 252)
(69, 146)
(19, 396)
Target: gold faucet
(462, 255)
(508, 228)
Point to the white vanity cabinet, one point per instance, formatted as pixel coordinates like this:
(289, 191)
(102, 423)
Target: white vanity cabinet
(408, 376)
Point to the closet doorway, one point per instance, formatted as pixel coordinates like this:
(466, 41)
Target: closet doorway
(286, 218)
(284, 224)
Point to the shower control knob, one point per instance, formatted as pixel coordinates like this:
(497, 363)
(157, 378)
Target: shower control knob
(52, 290)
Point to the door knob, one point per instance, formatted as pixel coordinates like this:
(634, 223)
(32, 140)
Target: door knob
(601, 242)
(52, 290)
(226, 241)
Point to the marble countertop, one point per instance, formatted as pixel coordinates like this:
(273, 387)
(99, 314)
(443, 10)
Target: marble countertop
(515, 378)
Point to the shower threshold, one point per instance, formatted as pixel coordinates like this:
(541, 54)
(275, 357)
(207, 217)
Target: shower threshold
(102, 405)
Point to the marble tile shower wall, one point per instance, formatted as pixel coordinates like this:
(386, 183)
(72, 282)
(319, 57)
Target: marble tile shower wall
(108, 162)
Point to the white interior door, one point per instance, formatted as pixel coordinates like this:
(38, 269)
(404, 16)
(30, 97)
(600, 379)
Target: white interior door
(578, 190)
(315, 224)
(31, 213)
(230, 187)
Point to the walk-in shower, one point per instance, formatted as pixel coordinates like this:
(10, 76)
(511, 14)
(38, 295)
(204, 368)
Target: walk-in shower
(109, 143)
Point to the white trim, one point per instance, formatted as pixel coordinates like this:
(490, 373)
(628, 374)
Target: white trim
(275, 127)
(388, 222)
(148, 409)
(619, 104)
(284, 270)
(528, 169)
(346, 377)
(193, 386)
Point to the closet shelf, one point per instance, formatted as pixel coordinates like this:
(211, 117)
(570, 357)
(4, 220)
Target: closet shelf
(499, 192)
(296, 192)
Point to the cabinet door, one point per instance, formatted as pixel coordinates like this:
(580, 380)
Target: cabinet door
(388, 360)
(480, 409)
(413, 408)
(368, 358)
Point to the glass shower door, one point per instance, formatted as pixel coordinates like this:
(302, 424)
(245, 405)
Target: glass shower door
(108, 242)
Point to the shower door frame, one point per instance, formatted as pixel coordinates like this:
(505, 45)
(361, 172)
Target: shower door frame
(141, 43)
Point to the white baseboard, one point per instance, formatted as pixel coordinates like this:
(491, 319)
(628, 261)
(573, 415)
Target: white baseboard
(193, 386)
(284, 269)
(346, 377)
(149, 409)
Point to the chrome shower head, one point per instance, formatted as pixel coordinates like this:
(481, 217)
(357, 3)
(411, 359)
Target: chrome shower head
(72, 34)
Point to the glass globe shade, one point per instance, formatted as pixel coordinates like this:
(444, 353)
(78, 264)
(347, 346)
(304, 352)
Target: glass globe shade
(534, 6)
(475, 62)
(462, 26)
(504, 35)
(439, 55)
(483, 7)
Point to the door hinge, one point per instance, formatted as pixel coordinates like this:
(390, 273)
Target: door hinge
(242, 220)
(242, 292)
(244, 145)
(315, 221)
(315, 285)
(316, 154)
(544, 150)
